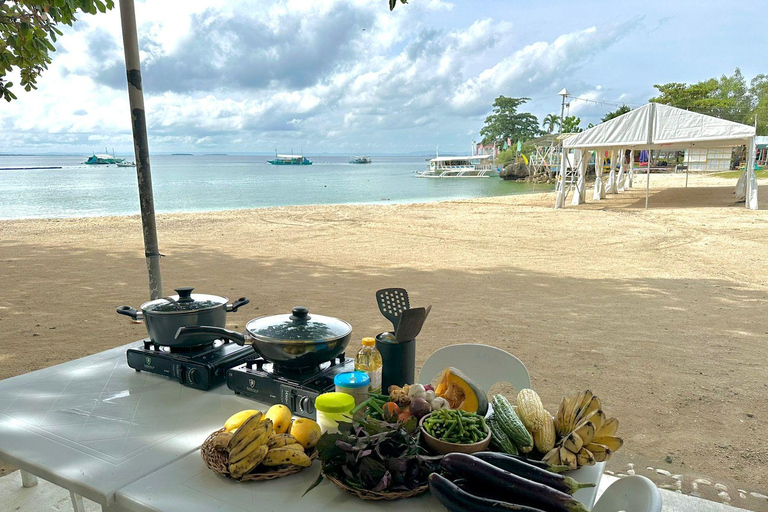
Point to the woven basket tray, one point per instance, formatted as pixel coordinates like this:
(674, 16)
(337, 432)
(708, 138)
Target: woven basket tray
(216, 460)
(365, 494)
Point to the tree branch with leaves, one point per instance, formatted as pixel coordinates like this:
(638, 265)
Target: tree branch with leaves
(507, 123)
(28, 30)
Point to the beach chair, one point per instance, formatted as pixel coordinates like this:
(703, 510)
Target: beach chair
(631, 494)
(483, 364)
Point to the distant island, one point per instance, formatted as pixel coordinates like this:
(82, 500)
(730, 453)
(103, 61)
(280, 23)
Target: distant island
(182, 154)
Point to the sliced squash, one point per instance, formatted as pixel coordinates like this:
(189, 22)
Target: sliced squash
(461, 392)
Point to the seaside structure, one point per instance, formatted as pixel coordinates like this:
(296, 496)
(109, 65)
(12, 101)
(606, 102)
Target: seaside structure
(652, 127)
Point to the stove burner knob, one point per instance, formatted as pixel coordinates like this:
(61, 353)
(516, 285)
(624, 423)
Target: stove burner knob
(259, 364)
(192, 376)
(306, 405)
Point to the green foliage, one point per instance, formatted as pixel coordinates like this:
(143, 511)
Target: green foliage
(727, 97)
(393, 3)
(571, 125)
(28, 29)
(506, 157)
(507, 123)
(616, 113)
(550, 122)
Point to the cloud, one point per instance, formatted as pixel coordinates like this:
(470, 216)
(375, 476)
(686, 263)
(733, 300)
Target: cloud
(249, 76)
(249, 51)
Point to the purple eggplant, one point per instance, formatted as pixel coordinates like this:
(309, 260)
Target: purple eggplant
(520, 468)
(518, 488)
(456, 499)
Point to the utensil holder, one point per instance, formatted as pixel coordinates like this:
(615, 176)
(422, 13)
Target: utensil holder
(398, 363)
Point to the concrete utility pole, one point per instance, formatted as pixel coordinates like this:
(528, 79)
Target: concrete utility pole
(564, 93)
(141, 146)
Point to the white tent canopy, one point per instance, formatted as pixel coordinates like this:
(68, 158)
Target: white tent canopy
(658, 126)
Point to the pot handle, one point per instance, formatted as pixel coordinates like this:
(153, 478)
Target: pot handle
(242, 301)
(137, 315)
(222, 333)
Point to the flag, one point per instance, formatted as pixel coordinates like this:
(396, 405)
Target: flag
(505, 146)
(519, 146)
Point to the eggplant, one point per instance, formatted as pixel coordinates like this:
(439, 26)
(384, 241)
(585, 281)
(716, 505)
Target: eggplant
(520, 468)
(520, 489)
(455, 499)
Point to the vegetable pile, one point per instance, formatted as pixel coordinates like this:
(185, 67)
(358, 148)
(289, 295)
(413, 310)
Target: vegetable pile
(456, 426)
(375, 455)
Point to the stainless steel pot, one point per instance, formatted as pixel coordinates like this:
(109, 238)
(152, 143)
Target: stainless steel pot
(165, 316)
(294, 342)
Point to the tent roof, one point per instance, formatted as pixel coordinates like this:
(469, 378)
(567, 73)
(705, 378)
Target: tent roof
(659, 126)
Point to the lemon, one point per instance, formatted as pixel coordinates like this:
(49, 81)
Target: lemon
(281, 418)
(236, 420)
(307, 432)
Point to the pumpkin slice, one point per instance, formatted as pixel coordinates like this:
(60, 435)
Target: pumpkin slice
(461, 392)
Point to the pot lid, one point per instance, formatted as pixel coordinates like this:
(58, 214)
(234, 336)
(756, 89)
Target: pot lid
(298, 327)
(184, 301)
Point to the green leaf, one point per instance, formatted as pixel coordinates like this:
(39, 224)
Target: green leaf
(392, 4)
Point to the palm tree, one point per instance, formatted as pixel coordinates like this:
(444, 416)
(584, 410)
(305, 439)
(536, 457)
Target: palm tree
(550, 122)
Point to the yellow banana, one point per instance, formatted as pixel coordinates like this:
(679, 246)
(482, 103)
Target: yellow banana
(611, 442)
(263, 428)
(599, 451)
(609, 428)
(284, 455)
(568, 458)
(586, 431)
(247, 429)
(553, 456)
(585, 457)
(221, 441)
(244, 466)
(280, 440)
(573, 443)
(254, 445)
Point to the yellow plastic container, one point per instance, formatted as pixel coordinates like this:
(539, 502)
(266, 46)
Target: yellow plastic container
(333, 408)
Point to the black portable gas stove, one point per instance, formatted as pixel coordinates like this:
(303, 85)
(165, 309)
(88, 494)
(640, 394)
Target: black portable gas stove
(201, 367)
(261, 380)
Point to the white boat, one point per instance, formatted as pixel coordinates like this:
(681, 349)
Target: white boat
(126, 164)
(477, 166)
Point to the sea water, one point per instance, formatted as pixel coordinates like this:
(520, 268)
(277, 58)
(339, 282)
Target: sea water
(225, 182)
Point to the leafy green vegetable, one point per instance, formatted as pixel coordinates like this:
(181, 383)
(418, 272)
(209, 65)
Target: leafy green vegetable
(375, 455)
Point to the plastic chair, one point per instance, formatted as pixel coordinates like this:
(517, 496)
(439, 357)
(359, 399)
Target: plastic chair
(631, 494)
(483, 364)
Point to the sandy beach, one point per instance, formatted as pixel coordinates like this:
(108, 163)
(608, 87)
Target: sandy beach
(661, 312)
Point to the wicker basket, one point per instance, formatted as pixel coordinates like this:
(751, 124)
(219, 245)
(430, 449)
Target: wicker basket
(365, 494)
(217, 461)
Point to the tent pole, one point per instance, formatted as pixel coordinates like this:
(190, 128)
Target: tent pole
(648, 179)
(141, 146)
(687, 165)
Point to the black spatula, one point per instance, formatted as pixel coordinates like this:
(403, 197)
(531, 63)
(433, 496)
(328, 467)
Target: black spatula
(410, 324)
(392, 302)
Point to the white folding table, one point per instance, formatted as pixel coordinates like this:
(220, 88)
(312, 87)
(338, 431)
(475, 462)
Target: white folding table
(188, 486)
(95, 425)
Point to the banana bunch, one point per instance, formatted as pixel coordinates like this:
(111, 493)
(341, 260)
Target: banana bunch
(586, 434)
(255, 442)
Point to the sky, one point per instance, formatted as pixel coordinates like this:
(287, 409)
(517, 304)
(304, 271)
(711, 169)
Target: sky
(351, 77)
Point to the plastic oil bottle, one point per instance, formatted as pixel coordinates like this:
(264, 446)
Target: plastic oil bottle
(368, 360)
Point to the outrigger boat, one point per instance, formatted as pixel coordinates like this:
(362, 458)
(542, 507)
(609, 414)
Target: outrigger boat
(290, 160)
(361, 160)
(478, 166)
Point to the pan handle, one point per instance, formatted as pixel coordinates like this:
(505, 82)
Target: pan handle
(242, 301)
(137, 315)
(222, 333)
